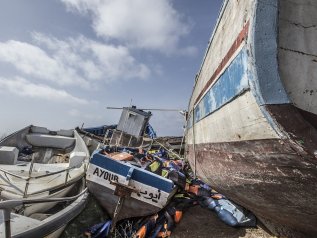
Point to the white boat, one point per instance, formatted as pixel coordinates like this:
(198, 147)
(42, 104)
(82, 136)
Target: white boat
(49, 224)
(123, 187)
(38, 163)
(125, 190)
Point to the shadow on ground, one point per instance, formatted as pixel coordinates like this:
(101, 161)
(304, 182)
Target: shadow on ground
(91, 215)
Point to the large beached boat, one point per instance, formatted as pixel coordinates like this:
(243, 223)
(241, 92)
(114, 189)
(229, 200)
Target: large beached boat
(252, 124)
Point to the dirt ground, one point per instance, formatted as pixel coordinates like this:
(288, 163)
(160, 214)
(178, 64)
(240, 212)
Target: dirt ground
(199, 222)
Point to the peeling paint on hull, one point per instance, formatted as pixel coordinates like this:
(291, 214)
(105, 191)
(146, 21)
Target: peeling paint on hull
(270, 177)
(258, 143)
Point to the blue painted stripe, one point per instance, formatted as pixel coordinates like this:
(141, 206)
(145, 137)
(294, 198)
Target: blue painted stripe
(139, 175)
(230, 84)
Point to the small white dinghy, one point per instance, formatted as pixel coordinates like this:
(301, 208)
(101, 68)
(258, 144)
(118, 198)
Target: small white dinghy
(36, 163)
(50, 224)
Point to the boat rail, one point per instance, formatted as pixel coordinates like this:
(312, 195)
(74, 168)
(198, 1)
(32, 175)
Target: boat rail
(116, 139)
(8, 205)
(120, 138)
(169, 150)
(145, 142)
(85, 133)
(30, 177)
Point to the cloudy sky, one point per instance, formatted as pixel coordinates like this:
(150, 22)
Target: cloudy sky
(62, 62)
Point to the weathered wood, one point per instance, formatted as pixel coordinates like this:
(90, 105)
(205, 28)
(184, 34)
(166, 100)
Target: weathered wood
(269, 177)
(252, 131)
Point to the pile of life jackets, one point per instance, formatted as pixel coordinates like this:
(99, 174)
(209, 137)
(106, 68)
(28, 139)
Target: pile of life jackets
(191, 192)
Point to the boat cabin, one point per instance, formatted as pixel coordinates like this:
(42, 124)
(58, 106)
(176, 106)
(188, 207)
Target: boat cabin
(133, 121)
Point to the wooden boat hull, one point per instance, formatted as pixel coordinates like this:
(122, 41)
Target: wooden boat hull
(132, 207)
(252, 130)
(151, 192)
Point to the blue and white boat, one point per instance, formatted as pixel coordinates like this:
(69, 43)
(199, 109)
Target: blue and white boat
(125, 190)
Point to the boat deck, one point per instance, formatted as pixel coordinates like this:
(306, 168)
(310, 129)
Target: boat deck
(16, 186)
(19, 223)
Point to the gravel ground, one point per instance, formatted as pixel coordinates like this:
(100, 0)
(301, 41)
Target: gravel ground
(199, 222)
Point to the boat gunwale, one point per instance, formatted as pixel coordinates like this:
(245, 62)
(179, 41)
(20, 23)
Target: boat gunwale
(54, 222)
(79, 146)
(140, 170)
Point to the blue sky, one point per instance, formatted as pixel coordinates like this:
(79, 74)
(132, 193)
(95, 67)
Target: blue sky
(62, 62)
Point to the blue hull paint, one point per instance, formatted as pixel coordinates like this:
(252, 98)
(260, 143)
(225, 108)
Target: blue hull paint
(99, 130)
(139, 175)
(229, 85)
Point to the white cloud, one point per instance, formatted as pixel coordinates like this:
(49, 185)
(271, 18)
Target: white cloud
(24, 88)
(74, 112)
(149, 24)
(95, 60)
(34, 61)
(75, 61)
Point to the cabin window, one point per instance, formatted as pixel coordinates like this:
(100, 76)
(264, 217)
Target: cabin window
(131, 114)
